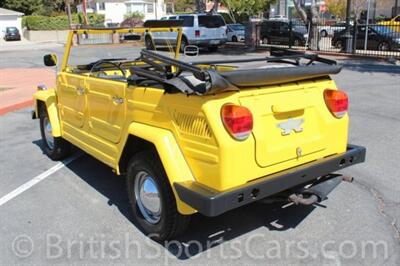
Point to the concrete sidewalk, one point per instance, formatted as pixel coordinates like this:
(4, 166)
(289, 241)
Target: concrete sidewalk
(17, 86)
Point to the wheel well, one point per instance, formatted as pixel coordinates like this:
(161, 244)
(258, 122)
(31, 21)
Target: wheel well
(40, 105)
(133, 145)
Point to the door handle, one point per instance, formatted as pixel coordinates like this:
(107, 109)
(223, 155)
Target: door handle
(117, 100)
(80, 91)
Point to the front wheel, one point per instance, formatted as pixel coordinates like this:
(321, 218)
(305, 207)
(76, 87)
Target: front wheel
(152, 200)
(55, 147)
(324, 33)
(234, 39)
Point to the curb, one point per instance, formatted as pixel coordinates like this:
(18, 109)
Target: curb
(15, 107)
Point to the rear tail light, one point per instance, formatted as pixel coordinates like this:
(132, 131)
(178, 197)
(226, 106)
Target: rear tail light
(237, 120)
(337, 102)
(197, 33)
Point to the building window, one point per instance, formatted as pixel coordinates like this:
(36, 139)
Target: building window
(102, 6)
(133, 7)
(150, 8)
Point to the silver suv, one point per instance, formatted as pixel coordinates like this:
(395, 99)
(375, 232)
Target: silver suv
(202, 30)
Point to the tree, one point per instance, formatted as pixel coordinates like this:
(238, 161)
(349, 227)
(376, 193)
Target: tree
(337, 8)
(27, 7)
(184, 5)
(248, 7)
(310, 18)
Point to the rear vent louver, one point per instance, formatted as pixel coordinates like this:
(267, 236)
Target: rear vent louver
(192, 124)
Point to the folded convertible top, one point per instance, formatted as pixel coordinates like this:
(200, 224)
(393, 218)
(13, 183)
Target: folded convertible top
(272, 76)
(191, 79)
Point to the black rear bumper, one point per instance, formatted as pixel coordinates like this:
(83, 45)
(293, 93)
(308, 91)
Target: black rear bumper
(213, 203)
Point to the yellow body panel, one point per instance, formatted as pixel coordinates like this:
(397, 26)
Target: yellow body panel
(188, 132)
(50, 99)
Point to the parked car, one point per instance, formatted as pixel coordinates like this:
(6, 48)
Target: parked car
(235, 32)
(274, 31)
(202, 30)
(12, 34)
(379, 37)
(199, 139)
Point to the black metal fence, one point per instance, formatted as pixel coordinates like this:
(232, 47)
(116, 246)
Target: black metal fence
(378, 39)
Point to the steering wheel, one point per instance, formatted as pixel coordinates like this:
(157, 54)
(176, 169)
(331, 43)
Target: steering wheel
(98, 64)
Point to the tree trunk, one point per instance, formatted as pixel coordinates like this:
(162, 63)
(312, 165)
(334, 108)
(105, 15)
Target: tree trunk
(310, 20)
(214, 9)
(200, 6)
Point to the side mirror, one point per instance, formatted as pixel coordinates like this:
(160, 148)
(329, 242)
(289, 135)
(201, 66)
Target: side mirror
(50, 60)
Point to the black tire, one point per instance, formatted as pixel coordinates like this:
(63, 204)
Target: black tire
(265, 40)
(171, 223)
(324, 33)
(149, 43)
(339, 44)
(184, 43)
(60, 148)
(297, 42)
(383, 46)
(212, 48)
(234, 39)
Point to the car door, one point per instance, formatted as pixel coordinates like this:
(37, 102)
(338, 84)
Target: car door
(284, 33)
(106, 108)
(71, 98)
(274, 32)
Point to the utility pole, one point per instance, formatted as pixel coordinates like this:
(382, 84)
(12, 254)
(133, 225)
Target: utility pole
(348, 37)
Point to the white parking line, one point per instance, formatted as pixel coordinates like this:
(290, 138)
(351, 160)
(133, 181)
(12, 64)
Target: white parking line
(24, 187)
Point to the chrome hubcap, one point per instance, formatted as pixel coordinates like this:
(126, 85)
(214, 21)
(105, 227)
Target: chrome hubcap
(48, 134)
(148, 197)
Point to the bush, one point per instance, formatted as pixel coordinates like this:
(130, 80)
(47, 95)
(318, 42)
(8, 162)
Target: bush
(59, 22)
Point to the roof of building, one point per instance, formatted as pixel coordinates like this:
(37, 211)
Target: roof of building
(8, 12)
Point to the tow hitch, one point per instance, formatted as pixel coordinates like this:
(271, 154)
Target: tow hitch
(318, 191)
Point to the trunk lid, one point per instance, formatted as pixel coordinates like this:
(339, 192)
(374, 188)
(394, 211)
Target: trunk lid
(287, 124)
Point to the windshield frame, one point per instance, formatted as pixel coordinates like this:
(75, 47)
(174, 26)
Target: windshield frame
(140, 30)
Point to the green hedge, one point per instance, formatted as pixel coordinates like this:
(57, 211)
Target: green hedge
(59, 22)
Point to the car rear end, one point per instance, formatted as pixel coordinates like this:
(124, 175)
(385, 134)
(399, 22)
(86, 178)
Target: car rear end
(210, 31)
(262, 140)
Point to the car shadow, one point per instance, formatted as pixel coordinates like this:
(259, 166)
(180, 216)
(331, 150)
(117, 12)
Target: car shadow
(206, 232)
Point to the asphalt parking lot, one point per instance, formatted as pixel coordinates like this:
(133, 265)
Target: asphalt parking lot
(78, 213)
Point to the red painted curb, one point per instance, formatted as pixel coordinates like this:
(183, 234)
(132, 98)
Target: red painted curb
(15, 107)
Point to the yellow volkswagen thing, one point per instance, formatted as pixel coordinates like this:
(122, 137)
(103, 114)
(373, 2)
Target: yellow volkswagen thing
(201, 136)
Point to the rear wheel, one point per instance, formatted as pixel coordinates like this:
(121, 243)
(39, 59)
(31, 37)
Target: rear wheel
(234, 39)
(184, 43)
(297, 42)
(152, 200)
(149, 43)
(324, 33)
(55, 147)
(339, 44)
(265, 40)
(383, 46)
